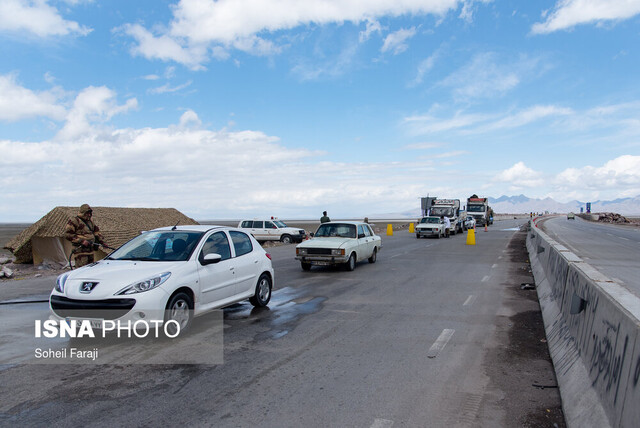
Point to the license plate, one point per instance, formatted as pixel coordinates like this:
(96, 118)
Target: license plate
(95, 322)
(322, 263)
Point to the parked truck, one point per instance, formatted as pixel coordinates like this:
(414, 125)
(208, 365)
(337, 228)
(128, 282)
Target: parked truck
(451, 209)
(480, 210)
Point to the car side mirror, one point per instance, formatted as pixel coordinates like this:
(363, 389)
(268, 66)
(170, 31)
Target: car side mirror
(211, 258)
(311, 234)
(360, 236)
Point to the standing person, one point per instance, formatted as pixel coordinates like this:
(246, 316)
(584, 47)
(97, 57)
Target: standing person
(325, 218)
(447, 226)
(85, 236)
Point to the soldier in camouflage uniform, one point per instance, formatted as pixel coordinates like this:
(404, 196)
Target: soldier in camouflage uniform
(84, 235)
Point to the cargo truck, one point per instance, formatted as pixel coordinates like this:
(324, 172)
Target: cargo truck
(451, 209)
(480, 210)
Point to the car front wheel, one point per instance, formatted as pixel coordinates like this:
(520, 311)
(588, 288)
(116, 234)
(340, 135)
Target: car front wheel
(305, 266)
(351, 263)
(263, 292)
(179, 312)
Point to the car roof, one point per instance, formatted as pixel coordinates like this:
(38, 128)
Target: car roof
(194, 227)
(355, 223)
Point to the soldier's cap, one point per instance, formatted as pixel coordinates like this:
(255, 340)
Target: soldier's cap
(85, 208)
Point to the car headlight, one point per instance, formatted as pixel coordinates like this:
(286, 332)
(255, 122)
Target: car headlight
(301, 251)
(339, 252)
(145, 285)
(61, 281)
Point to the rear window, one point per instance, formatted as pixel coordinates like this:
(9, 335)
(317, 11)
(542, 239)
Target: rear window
(241, 243)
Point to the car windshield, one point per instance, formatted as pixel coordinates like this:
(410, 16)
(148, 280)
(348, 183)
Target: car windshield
(280, 223)
(339, 230)
(475, 208)
(430, 220)
(159, 246)
(440, 211)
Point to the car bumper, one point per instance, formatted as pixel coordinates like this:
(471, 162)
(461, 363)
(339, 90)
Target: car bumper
(147, 306)
(428, 232)
(320, 260)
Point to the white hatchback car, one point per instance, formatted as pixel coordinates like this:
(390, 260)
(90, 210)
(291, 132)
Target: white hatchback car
(171, 273)
(339, 243)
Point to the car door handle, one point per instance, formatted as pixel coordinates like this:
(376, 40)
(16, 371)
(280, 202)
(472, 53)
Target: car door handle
(231, 268)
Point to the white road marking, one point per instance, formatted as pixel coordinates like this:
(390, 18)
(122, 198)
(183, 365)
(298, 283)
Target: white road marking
(626, 239)
(499, 257)
(485, 278)
(381, 423)
(469, 300)
(495, 265)
(440, 343)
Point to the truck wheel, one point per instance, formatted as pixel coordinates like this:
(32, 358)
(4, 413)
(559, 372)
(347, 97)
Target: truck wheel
(417, 236)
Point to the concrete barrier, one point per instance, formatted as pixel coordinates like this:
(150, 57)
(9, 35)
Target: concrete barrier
(592, 326)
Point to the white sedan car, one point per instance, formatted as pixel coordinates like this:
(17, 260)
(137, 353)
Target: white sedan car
(430, 226)
(172, 273)
(339, 243)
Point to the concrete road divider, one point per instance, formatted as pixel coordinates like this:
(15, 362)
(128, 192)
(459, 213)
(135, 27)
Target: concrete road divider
(593, 331)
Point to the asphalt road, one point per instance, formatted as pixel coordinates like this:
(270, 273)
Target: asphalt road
(436, 333)
(612, 249)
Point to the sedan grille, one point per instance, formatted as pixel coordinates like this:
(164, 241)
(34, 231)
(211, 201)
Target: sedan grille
(319, 251)
(108, 309)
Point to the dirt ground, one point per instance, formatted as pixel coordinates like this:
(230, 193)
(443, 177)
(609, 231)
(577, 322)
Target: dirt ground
(533, 390)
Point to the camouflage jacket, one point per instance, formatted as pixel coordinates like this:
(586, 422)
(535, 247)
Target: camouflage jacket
(79, 230)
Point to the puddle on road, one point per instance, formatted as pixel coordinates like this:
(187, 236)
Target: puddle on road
(287, 305)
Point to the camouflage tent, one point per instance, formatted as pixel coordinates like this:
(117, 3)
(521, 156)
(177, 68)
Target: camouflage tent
(44, 240)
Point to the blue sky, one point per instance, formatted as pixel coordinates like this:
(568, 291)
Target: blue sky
(234, 108)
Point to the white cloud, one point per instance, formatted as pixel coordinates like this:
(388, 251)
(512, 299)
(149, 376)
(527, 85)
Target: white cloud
(37, 18)
(203, 28)
(92, 105)
(424, 67)
(569, 13)
(396, 41)
(430, 124)
(520, 176)
(620, 173)
(18, 102)
(164, 47)
(525, 117)
(308, 70)
(423, 146)
(167, 88)
(484, 76)
(371, 27)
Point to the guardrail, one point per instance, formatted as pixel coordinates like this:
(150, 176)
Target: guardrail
(592, 326)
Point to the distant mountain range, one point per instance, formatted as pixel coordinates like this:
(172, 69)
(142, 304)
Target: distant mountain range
(521, 205)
